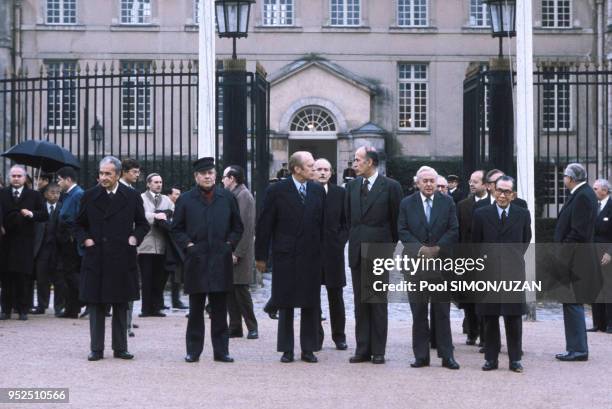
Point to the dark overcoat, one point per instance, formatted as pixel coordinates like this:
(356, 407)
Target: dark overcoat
(215, 229)
(335, 237)
(295, 231)
(20, 231)
(505, 246)
(109, 272)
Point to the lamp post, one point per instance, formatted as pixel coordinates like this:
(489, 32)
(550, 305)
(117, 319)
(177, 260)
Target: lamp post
(97, 133)
(501, 108)
(233, 22)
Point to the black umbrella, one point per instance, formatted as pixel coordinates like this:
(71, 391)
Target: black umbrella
(44, 155)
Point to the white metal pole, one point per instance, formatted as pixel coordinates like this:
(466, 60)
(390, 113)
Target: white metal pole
(206, 80)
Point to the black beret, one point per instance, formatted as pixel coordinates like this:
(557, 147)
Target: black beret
(203, 164)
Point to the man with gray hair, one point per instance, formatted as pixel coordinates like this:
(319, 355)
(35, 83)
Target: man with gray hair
(575, 229)
(442, 185)
(602, 312)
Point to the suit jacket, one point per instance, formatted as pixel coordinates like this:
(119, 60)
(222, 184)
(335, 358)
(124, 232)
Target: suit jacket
(376, 221)
(487, 202)
(576, 257)
(46, 232)
(603, 229)
(457, 195)
(18, 243)
(71, 205)
(503, 262)
(336, 235)
(465, 211)
(295, 230)
(215, 230)
(109, 272)
(245, 250)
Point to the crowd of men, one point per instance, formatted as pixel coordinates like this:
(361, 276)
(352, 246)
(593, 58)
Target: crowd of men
(103, 248)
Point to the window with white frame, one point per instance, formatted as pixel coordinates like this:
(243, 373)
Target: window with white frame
(278, 12)
(413, 96)
(412, 13)
(345, 12)
(312, 119)
(136, 95)
(556, 99)
(479, 14)
(557, 13)
(135, 11)
(196, 11)
(61, 95)
(61, 11)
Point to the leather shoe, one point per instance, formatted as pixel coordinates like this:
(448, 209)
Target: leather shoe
(450, 363)
(123, 355)
(341, 346)
(23, 317)
(490, 365)
(131, 334)
(357, 359)
(236, 335)
(95, 356)
(287, 357)
(253, 334)
(158, 314)
(191, 358)
(482, 350)
(420, 363)
(5, 316)
(378, 359)
(223, 358)
(573, 356)
(594, 329)
(37, 311)
(68, 315)
(309, 357)
(470, 341)
(516, 366)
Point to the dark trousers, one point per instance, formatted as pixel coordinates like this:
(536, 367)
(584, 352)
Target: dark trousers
(218, 323)
(153, 278)
(46, 274)
(575, 328)
(514, 336)
(15, 292)
(337, 316)
(97, 317)
(371, 321)
(70, 271)
(602, 316)
(473, 321)
(309, 323)
(421, 336)
(240, 305)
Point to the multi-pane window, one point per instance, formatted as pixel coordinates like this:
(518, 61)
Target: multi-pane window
(312, 119)
(479, 14)
(556, 99)
(136, 95)
(135, 11)
(413, 96)
(278, 12)
(345, 12)
(61, 11)
(411, 13)
(61, 95)
(196, 11)
(556, 13)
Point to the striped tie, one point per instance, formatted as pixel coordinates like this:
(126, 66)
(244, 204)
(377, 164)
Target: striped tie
(303, 193)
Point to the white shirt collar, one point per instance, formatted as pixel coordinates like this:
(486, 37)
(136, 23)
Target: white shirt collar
(372, 179)
(298, 184)
(602, 203)
(70, 188)
(500, 210)
(125, 183)
(19, 190)
(326, 186)
(424, 198)
(452, 190)
(49, 206)
(478, 199)
(577, 186)
(114, 191)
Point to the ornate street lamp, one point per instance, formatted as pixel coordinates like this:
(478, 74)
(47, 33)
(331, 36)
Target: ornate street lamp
(503, 19)
(233, 19)
(97, 133)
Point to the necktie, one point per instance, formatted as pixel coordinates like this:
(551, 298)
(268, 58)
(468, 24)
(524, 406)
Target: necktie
(111, 195)
(51, 209)
(16, 194)
(303, 193)
(156, 200)
(364, 187)
(428, 209)
(504, 217)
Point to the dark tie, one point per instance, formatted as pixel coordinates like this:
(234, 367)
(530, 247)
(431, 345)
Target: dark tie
(111, 195)
(302, 193)
(504, 217)
(157, 200)
(364, 187)
(428, 209)
(16, 194)
(51, 209)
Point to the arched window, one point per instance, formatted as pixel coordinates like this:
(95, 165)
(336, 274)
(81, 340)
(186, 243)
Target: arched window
(312, 119)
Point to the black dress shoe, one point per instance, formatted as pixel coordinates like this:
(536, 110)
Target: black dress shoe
(253, 334)
(309, 357)
(191, 358)
(123, 355)
(236, 334)
(37, 311)
(341, 346)
(594, 329)
(131, 334)
(482, 350)
(420, 363)
(5, 316)
(470, 341)
(378, 359)
(165, 307)
(223, 358)
(135, 326)
(158, 314)
(179, 306)
(357, 359)
(490, 365)
(450, 363)
(573, 356)
(516, 366)
(23, 317)
(287, 357)
(95, 356)
(65, 314)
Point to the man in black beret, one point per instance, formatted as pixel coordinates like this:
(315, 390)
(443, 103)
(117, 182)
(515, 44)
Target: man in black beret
(207, 227)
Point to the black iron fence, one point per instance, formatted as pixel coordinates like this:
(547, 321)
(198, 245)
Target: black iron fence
(572, 124)
(143, 110)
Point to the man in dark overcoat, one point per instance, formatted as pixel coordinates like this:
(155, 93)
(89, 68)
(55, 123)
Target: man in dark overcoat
(22, 208)
(508, 224)
(110, 226)
(602, 311)
(291, 221)
(206, 226)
